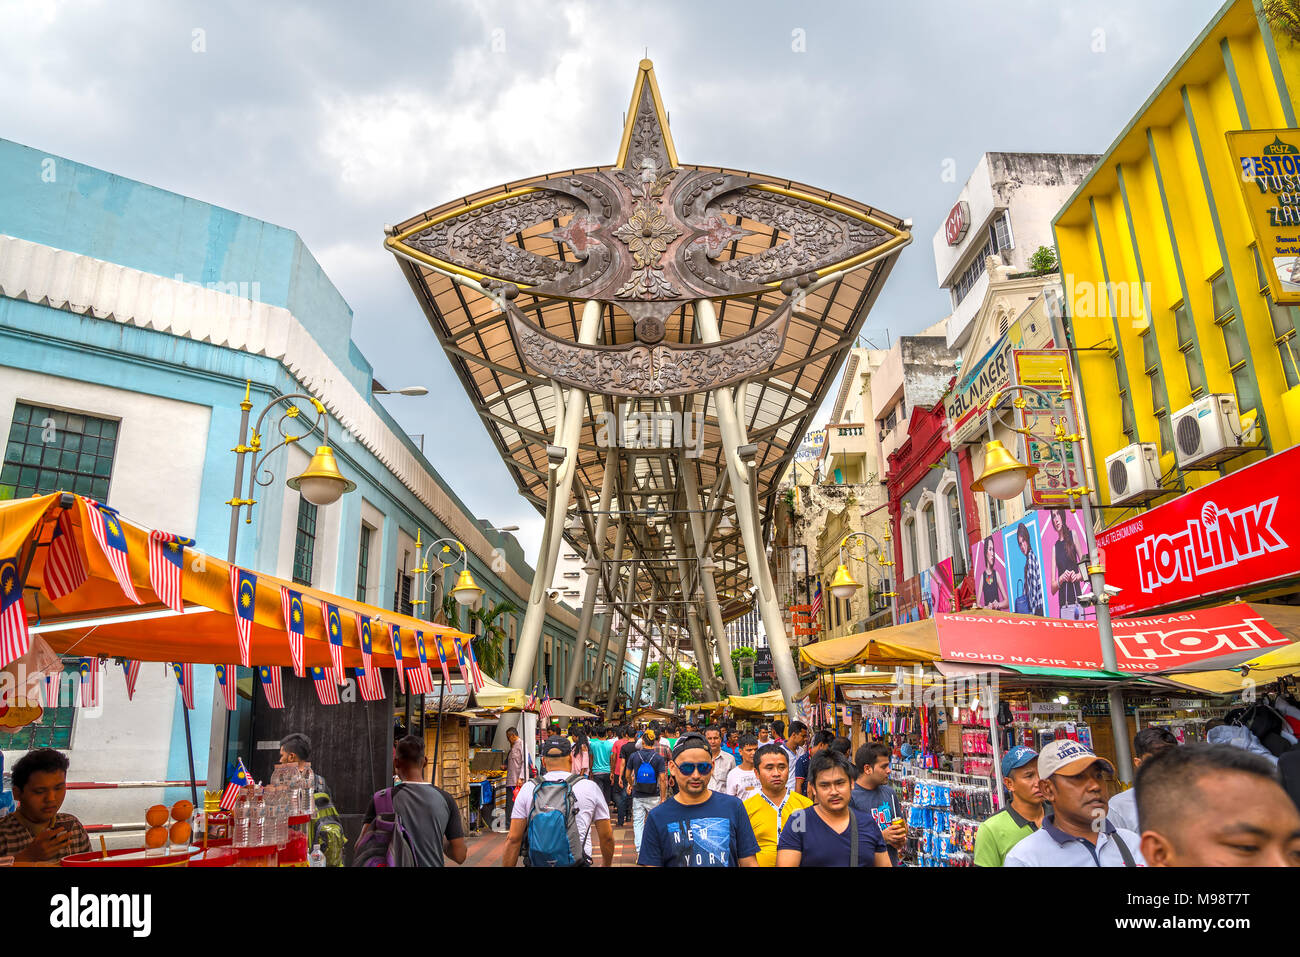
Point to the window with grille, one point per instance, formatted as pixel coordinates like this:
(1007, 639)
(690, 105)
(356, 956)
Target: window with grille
(54, 727)
(363, 562)
(1000, 233)
(51, 450)
(958, 536)
(1159, 395)
(304, 545)
(916, 555)
(1284, 319)
(966, 281)
(1187, 346)
(932, 535)
(1234, 340)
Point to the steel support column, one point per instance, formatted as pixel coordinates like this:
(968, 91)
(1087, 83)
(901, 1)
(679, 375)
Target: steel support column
(645, 657)
(620, 658)
(610, 598)
(733, 437)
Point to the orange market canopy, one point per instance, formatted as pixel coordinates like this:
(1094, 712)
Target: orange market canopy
(97, 618)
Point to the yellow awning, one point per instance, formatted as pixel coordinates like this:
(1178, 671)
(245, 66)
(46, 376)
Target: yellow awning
(493, 695)
(913, 642)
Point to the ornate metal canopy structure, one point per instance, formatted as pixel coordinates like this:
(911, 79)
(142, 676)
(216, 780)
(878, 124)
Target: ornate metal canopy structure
(651, 340)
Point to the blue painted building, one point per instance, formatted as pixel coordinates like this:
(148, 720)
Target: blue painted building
(132, 317)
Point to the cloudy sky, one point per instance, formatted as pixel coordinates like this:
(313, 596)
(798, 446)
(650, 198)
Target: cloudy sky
(333, 119)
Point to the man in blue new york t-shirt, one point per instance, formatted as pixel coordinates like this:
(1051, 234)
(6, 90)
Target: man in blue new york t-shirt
(698, 827)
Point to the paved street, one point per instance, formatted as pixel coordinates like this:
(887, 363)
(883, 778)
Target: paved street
(485, 848)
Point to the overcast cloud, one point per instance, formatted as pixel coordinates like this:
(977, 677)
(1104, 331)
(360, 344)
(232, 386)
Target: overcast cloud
(333, 119)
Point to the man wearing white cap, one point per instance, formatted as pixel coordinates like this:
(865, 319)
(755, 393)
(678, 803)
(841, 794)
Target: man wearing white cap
(1076, 833)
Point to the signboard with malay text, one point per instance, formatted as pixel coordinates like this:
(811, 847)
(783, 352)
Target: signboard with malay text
(1269, 161)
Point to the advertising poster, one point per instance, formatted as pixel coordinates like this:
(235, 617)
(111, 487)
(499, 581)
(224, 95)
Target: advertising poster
(1065, 558)
(909, 606)
(988, 561)
(1270, 168)
(940, 594)
(1023, 548)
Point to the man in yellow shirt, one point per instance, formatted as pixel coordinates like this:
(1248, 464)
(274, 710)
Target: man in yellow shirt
(771, 807)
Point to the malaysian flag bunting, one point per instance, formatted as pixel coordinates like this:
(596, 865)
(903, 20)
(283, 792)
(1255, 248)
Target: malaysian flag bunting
(334, 624)
(366, 640)
(465, 661)
(131, 668)
(294, 625)
(327, 688)
(817, 600)
(166, 563)
(473, 665)
(226, 682)
(231, 794)
(107, 529)
(243, 586)
(531, 703)
(269, 676)
(544, 714)
(371, 684)
(185, 678)
(396, 634)
(442, 661)
(65, 571)
(421, 679)
(89, 669)
(14, 639)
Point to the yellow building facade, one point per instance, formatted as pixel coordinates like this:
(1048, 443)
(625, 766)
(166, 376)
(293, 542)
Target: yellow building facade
(1166, 297)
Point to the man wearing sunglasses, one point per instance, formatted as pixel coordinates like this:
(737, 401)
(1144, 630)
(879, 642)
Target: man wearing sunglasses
(697, 827)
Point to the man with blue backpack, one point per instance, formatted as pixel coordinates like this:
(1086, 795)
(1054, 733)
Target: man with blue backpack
(554, 814)
(646, 778)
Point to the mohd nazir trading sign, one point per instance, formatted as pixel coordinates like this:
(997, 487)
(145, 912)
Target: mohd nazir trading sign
(1270, 185)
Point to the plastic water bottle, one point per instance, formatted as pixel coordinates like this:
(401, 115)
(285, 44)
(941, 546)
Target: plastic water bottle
(242, 812)
(316, 858)
(257, 825)
(281, 817)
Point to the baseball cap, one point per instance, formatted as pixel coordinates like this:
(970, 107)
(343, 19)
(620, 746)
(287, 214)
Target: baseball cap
(556, 746)
(1069, 758)
(1017, 757)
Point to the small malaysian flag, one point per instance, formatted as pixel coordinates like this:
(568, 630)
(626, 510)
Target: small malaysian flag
(366, 641)
(442, 660)
(334, 625)
(421, 679)
(14, 638)
(243, 586)
(131, 668)
(106, 526)
(269, 677)
(294, 626)
(327, 688)
(89, 669)
(65, 570)
(531, 703)
(166, 565)
(226, 682)
(473, 665)
(231, 794)
(544, 714)
(817, 600)
(185, 678)
(371, 684)
(465, 663)
(396, 634)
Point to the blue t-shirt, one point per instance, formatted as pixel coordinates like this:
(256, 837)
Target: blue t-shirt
(715, 833)
(600, 755)
(801, 770)
(807, 833)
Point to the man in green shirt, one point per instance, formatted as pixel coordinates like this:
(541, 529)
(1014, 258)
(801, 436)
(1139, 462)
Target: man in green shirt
(1022, 817)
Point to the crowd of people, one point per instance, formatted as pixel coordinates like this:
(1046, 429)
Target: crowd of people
(775, 797)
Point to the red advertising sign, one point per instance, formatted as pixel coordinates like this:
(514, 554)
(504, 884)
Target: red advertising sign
(1208, 639)
(957, 223)
(1226, 537)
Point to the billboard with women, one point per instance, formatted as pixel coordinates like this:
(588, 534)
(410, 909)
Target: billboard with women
(1036, 566)
(920, 595)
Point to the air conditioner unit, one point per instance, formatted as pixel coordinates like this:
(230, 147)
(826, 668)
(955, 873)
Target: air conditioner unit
(1134, 473)
(1208, 432)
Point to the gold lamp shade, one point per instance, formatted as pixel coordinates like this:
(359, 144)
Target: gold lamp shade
(322, 483)
(1004, 476)
(466, 591)
(843, 585)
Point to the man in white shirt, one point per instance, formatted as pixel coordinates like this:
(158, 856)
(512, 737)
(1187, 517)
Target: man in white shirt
(723, 763)
(1076, 833)
(1122, 808)
(742, 781)
(591, 807)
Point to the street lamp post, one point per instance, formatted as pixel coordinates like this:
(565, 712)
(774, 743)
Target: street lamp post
(1004, 477)
(843, 585)
(321, 484)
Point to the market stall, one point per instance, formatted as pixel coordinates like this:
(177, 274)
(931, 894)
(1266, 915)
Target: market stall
(90, 586)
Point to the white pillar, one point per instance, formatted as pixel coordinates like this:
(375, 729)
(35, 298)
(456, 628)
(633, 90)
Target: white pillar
(594, 554)
(733, 437)
(645, 656)
(620, 658)
(611, 600)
